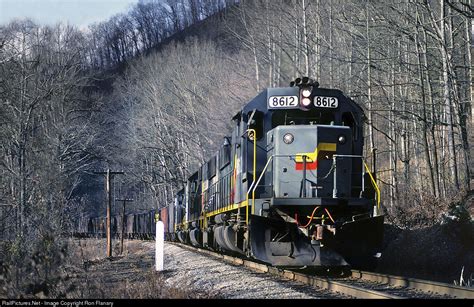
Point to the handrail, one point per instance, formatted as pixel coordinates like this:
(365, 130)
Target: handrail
(254, 173)
(255, 184)
(374, 183)
(254, 187)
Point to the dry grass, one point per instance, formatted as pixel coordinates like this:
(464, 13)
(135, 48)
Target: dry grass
(419, 210)
(468, 282)
(154, 286)
(130, 276)
(87, 274)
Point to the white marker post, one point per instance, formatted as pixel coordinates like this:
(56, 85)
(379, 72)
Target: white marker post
(159, 246)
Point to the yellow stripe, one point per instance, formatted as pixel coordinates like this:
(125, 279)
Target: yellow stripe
(313, 156)
(215, 212)
(227, 208)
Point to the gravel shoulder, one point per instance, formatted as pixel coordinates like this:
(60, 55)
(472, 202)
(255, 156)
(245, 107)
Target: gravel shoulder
(187, 275)
(196, 271)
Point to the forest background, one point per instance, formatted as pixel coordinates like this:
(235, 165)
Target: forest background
(152, 91)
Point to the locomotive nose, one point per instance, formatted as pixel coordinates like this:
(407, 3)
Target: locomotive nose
(303, 160)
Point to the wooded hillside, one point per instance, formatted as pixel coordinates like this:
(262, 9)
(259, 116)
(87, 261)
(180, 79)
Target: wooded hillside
(152, 91)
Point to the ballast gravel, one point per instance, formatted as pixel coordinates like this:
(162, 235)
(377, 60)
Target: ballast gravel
(206, 274)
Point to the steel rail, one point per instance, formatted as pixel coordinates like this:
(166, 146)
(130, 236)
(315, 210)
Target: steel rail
(416, 284)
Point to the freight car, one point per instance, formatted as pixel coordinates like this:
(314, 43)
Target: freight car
(139, 225)
(290, 186)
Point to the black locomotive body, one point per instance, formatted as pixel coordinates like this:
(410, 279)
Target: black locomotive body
(289, 187)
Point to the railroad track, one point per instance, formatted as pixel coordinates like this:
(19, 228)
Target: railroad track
(430, 288)
(359, 284)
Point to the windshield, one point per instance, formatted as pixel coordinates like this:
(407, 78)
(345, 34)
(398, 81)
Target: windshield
(300, 117)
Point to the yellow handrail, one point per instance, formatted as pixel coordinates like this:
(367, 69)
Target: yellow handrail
(374, 184)
(254, 175)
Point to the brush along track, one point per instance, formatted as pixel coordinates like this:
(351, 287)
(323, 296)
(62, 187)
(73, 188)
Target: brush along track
(360, 284)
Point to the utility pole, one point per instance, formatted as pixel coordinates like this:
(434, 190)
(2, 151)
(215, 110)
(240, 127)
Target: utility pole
(108, 182)
(124, 200)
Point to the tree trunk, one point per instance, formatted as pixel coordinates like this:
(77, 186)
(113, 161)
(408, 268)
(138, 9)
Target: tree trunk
(470, 99)
(437, 166)
(445, 56)
(425, 117)
(306, 48)
(369, 84)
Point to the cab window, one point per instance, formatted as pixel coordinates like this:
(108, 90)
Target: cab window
(256, 122)
(224, 154)
(300, 117)
(211, 168)
(348, 120)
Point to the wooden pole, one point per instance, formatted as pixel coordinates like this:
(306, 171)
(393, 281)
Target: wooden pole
(108, 183)
(123, 227)
(123, 222)
(109, 208)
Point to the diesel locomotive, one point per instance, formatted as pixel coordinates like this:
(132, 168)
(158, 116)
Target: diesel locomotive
(290, 186)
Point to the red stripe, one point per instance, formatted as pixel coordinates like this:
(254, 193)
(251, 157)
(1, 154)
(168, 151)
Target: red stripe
(309, 165)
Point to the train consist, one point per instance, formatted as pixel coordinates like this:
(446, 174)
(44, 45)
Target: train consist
(289, 186)
(133, 226)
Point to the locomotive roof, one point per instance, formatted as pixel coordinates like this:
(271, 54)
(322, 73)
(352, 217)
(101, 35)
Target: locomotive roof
(260, 101)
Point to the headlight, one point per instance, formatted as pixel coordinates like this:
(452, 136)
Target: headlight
(288, 138)
(306, 102)
(306, 93)
(342, 139)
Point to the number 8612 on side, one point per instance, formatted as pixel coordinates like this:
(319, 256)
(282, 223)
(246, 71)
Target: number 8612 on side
(325, 102)
(292, 102)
